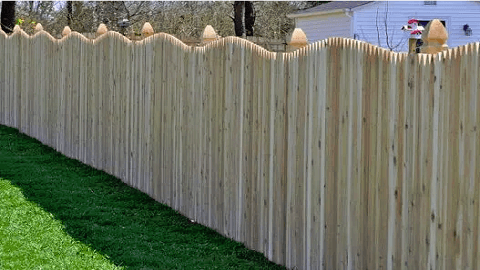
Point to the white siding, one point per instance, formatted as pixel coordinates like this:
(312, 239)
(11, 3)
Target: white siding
(369, 26)
(455, 13)
(321, 27)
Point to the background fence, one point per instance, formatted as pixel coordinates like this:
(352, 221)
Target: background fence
(339, 155)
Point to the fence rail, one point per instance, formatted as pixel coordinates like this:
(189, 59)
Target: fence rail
(338, 155)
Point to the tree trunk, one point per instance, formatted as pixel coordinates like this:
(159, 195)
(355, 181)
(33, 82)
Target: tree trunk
(249, 18)
(69, 13)
(8, 16)
(239, 10)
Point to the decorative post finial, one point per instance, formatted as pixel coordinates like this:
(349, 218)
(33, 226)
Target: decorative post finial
(434, 37)
(298, 39)
(147, 30)
(102, 29)
(66, 31)
(16, 28)
(208, 35)
(38, 28)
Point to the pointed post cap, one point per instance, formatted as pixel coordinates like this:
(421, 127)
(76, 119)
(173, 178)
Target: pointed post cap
(298, 39)
(208, 34)
(102, 29)
(38, 27)
(17, 28)
(147, 30)
(435, 31)
(66, 31)
(434, 38)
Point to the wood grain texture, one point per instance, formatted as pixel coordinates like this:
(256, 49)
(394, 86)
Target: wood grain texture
(340, 155)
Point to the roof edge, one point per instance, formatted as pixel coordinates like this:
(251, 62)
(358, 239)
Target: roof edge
(330, 8)
(292, 16)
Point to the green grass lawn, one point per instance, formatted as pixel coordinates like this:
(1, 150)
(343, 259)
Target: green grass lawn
(57, 213)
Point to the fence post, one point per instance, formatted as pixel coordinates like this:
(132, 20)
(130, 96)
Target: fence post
(38, 28)
(208, 35)
(147, 30)
(102, 29)
(434, 38)
(297, 40)
(66, 31)
(16, 28)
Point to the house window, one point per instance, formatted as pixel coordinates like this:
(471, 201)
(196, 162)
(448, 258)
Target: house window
(424, 23)
(430, 3)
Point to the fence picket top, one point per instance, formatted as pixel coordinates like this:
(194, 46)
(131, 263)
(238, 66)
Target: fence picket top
(393, 57)
(72, 35)
(369, 50)
(390, 56)
(470, 48)
(99, 39)
(337, 41)
(422, 59)
(461, 51)
(361, 47)
(332, 41)
(454, 53)
(324, 43)
(42, 34)
(356, 45)
(448, 53)
(442, 54)
(17, 31)
(303, 51)
(382, 51)
(437, 58)
(376, 52)
(385, 55)
(145, 40)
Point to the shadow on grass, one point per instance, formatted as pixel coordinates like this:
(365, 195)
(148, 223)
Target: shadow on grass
(127, 226)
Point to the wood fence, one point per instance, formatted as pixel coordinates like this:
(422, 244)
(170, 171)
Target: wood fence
(340, 155)
(273, 45)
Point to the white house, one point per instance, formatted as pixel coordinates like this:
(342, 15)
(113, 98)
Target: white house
(380, 22)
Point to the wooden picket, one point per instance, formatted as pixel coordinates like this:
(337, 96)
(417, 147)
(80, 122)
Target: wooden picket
(340, 155)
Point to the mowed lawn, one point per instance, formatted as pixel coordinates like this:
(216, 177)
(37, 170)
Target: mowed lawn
(57, 213)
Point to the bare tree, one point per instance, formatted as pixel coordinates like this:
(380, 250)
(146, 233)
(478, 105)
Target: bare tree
(271, 20)
(389, 36)
(249, 18)
(238, 19)
(69, 13)
(181, 18)
(8, 16)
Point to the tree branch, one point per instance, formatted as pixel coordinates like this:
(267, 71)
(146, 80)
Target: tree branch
(378, 31)
(386, 27)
